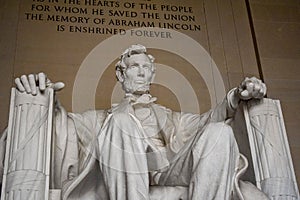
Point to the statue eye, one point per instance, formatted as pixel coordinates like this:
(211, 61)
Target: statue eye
(146, 67)
(133, 66)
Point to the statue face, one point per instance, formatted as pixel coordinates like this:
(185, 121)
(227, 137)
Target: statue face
(138, 74)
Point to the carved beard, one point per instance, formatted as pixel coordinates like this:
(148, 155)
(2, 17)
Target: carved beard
(131, 87)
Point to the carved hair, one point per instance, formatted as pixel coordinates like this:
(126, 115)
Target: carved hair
(133, 50)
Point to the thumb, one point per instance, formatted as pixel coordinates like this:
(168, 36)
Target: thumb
(244, 95)
(57, 86)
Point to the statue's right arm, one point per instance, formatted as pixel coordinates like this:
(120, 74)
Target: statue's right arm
(32, 82)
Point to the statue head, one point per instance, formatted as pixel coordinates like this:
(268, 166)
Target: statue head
(135, 70)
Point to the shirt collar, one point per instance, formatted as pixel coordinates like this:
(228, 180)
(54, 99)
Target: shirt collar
(144, 99)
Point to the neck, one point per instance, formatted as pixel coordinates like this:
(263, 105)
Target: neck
(137, 94)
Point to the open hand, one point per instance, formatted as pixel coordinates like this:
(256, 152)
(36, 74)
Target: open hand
(32, 82)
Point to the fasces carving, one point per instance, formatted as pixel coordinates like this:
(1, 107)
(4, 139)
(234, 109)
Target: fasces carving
(27, 163)
(271, 156)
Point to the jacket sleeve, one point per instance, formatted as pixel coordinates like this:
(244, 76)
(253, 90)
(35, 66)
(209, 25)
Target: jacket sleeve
(73, 138)
(186, 125)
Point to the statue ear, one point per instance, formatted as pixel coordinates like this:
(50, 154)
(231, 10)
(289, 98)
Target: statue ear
(120, 76)
(153, 76)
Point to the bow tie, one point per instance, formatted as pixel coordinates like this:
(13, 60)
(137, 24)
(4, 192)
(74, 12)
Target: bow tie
(144, 99)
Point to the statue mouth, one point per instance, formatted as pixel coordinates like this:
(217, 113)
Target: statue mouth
(140, 82)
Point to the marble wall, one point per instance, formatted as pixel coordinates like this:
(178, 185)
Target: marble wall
(277, 33)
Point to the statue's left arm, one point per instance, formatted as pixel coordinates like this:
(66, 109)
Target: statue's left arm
(250, 88)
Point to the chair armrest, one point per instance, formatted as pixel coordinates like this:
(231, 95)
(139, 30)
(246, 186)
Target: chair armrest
(272, 161)
(28, 146)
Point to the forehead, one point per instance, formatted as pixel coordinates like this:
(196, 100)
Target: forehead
(137, 58)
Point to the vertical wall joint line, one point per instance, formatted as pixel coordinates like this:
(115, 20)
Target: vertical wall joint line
(254, 40)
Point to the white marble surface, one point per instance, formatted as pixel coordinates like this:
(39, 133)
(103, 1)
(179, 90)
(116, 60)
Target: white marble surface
(116, 153)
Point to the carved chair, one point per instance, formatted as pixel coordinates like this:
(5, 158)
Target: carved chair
(258, 125)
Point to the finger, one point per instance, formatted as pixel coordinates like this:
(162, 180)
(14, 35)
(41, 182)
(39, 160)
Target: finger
(58, 86)
(42, 81)
(260, 93)
(256, 89)
(25, 83)
(253, 79)
(19, 85)
(32, 83)
(244, 83)
(250, 87)
(263, 90)
(48, 82)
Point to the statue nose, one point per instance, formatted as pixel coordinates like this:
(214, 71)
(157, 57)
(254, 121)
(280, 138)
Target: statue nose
(141, 72)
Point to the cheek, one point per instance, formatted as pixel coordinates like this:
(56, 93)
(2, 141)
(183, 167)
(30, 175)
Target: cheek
(130, 74)
(149, 75)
